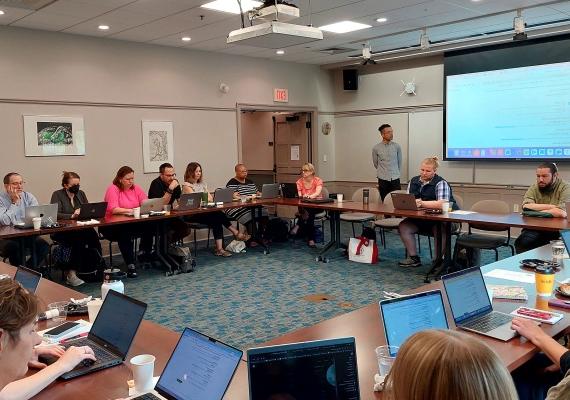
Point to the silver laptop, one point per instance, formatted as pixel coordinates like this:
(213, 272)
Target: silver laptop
(28, 278)
(471, 307)
(200, 367)
(189, 201)
(323, 369)
(270, 190)
(48, 213)
(404, 201)
(224, 195)
(404, 316)
(152, 205)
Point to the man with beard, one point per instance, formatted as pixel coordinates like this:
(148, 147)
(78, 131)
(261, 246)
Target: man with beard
(548, 195)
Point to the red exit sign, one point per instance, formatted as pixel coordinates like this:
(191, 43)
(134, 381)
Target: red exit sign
(281, 95)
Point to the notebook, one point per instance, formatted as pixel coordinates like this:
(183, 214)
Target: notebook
(91, 211)
(323, 369)
(471, 307)
(189, 201)
(28, 278)
(404, 316)
(110, 336)
(200, 368)
(270, 190)
(224, 195)
(48, 213)
(404, 201)
(289, 190)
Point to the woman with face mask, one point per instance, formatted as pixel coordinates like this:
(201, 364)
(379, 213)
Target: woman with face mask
(69, 200)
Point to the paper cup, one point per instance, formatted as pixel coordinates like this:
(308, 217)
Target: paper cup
(167, 207)
(143, 372)
(37, 221)
(93, 308)
(544, 278)
(339, 197)
(137, 212)
(445, 206)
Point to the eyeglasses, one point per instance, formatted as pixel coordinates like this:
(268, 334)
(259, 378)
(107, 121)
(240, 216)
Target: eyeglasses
(170, 175)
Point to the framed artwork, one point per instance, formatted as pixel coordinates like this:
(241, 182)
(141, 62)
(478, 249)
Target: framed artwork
(158, 146)
(47, 135)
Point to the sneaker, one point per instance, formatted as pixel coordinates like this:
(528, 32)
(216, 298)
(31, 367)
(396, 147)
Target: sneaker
(131, 271)
(412, 262)
(74, 280)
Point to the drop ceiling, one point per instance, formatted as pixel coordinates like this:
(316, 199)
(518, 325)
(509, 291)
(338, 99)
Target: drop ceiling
(165, 22)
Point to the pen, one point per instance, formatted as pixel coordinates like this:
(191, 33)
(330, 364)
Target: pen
(73, 337)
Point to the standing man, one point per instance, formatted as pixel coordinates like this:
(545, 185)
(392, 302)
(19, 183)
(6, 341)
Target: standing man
(13, 203)
(548, 195)
(387, 159)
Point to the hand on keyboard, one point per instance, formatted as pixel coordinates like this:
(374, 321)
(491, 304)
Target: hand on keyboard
(75, 355)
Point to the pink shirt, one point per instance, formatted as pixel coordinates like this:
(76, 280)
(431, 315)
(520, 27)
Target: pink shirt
(307, 192)
(129, 198)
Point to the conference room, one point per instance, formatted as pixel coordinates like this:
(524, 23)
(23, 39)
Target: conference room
(139, 79)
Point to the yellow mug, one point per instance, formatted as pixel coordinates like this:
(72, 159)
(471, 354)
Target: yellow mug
(544, 278)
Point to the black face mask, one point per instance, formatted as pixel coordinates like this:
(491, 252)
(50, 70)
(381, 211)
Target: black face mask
(74, 189)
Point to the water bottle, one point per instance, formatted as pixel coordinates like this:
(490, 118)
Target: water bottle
(365, 196)
(112, 281)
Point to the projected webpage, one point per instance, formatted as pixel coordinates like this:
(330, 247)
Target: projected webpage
(510, 113)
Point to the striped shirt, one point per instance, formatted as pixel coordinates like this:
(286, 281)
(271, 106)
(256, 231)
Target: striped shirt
(247, 188)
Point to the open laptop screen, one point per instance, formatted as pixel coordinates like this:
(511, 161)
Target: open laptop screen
(565, 235)
(324, 369)
(404, 316)
(467, 294)
(28, 278)
(200, 368)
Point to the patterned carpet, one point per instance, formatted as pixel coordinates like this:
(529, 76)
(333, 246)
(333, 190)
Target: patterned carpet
(251, 297)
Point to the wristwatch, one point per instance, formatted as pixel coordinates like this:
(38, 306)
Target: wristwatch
(169, 191)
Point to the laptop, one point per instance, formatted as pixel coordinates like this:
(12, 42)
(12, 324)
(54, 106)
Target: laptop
(28, 278)
(224, 195)
(404, 316)
(471, 307)
(323, 369)
(289, 190)
(270, 190)
(404, 201)
(189, 201)
(200, 368)
(110, 336)
(48, 213)
(321, 200)
(565, 236)
(152, 205)
(90, 211)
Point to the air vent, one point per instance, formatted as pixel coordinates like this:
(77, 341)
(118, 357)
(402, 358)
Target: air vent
(26, 4)
(335, 50)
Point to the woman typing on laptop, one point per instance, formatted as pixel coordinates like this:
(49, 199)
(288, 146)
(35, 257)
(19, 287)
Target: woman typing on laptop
(18, 338)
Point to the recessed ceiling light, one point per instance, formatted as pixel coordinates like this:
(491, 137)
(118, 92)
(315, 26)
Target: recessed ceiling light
(103, 27)
(344, 27)
(186, 39)
(1, 12)
(232, 6)
(382, 19)
(280, 52)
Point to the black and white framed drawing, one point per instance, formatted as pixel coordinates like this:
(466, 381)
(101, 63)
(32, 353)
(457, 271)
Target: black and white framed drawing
(47, 135)
(158, 146)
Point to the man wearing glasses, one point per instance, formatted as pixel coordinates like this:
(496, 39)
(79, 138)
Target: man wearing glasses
(13, 203)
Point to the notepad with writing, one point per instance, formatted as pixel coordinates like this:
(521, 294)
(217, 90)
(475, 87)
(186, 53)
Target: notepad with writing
(508, 292)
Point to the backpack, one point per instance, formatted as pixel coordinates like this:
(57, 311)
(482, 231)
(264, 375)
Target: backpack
(277, 230)
(91, 261)
(183, 257)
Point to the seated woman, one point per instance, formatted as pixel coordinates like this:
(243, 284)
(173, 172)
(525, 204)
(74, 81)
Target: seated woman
(18, 338)
(216, 220)
(69, 201)
(445, 364)
(309, 186)
(430, 191)
(122, 197)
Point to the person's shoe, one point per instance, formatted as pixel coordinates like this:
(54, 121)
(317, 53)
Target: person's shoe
(311, 244)
(413, 262)
(132, 271)
(222, 253)
(73, 280)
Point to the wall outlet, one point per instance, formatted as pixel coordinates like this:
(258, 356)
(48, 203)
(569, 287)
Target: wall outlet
(516, 208)
(324, 158)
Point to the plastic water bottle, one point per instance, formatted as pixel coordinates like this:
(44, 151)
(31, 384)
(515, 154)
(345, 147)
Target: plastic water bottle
(112, 281)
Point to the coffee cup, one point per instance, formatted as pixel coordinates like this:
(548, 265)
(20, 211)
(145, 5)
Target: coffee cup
(143, 372)
(544, 278)
(339, 197)
(137, 212)
(37, 221)
(93, 308)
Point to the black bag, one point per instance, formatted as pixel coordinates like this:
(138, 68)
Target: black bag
(277, 230)
(369, 233)
(91, 263)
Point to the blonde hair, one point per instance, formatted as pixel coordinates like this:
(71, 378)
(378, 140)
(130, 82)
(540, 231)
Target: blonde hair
(433, 161)
(310, 167)
(445, 364)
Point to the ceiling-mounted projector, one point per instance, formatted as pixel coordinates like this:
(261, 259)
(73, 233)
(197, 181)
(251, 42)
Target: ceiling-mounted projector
(274, 34)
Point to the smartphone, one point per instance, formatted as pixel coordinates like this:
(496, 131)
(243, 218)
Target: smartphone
(62, 330)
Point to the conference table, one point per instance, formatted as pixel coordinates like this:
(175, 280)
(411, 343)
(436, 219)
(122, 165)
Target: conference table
(363, 324)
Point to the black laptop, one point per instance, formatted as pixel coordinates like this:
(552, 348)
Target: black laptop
(28, 278)
(110, 336)
(318, 200)
(289, 190)
(92, 211)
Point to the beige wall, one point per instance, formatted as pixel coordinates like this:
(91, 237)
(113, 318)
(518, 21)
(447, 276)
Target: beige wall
(114, 85)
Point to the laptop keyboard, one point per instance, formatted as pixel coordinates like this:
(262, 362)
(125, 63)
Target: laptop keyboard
(488, 322)
(146, 396)
(101, 354)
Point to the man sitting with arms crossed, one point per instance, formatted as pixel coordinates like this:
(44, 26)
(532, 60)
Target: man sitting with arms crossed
(13, 203)
(548, 195)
